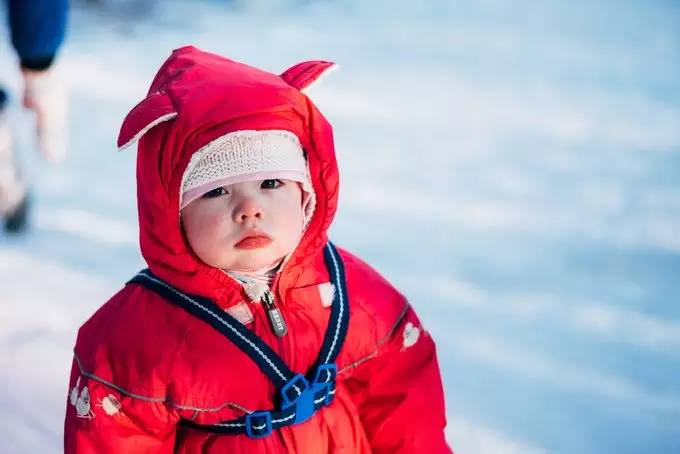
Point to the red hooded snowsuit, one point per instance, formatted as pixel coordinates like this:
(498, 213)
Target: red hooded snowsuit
(141, 364)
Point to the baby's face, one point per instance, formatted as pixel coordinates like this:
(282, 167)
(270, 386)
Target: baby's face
(245, 226)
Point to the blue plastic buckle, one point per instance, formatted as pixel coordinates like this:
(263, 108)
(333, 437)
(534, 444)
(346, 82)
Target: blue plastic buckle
(258, 431)
(293, 390)
(303, 402)
(325, 376)
(326, 373)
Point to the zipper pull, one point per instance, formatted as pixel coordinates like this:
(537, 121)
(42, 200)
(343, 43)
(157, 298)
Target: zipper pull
(276, 321)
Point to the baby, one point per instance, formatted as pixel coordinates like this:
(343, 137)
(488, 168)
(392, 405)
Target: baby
(250, 331)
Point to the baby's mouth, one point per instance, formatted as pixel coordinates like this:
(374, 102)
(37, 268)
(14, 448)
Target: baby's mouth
(253, 241)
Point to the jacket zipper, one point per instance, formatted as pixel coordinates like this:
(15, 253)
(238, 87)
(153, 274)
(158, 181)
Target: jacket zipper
(276, 320)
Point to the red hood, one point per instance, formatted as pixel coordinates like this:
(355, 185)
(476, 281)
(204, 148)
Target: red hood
(195, 98)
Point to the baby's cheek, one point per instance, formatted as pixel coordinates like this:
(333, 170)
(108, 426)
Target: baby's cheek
(214, 224)
(200, 231)
(215, 232)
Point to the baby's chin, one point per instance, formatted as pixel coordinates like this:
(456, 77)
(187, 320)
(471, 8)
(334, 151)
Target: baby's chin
(253, 264)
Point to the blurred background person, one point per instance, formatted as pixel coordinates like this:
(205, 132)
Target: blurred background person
(37, 31)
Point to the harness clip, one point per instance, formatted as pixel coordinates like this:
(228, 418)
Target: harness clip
(254, 421)
(297, 393)
(326, 373)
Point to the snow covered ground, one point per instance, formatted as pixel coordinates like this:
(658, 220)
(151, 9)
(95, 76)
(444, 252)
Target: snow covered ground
(513, 167)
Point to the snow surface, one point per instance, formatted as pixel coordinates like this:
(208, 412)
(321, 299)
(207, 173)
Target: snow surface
(511, 166)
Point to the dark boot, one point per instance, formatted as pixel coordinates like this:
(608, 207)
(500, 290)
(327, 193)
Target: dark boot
(16, 221)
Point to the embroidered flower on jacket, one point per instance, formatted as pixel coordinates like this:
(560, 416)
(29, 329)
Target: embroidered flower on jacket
(80, 399)
(110, 404)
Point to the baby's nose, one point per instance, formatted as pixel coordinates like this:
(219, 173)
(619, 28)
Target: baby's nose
(248, 209)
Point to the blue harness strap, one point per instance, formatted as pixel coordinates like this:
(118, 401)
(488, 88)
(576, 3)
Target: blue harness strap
(339, 319)
(205, 309)
(300, 396)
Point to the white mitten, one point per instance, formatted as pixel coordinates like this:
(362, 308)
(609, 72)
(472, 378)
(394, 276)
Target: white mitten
(46, 96)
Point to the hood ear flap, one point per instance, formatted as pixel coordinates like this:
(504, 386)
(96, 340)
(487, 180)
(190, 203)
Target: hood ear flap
(303, 75)
(151, 111)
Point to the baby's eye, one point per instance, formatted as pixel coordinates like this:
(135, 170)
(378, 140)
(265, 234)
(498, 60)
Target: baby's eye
(214, 193)
(271, 184)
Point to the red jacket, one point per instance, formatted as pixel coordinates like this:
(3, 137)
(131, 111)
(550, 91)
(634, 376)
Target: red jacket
(142, 365)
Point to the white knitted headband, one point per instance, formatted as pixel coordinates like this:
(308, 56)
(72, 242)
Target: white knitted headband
(245, 156)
